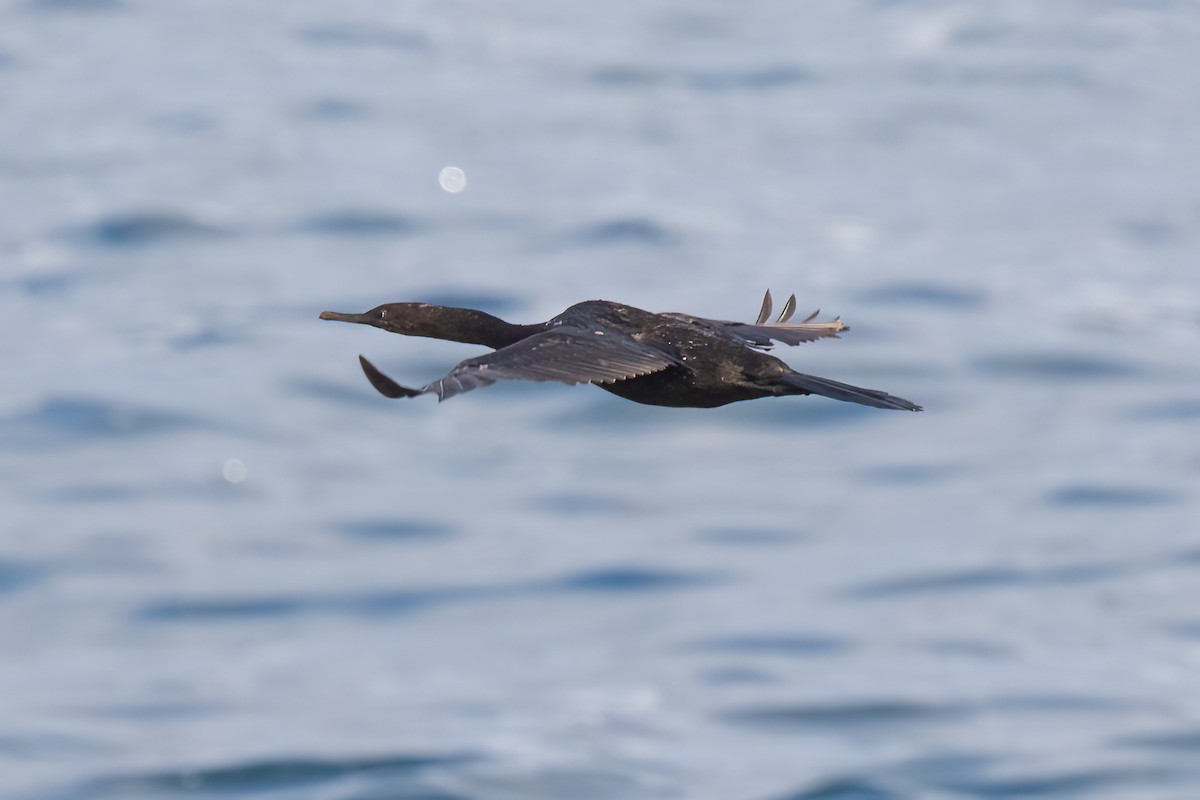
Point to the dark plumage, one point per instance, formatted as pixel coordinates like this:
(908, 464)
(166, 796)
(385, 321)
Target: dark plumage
(657, 359)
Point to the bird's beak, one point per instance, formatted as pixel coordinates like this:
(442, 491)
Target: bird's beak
(338, 316)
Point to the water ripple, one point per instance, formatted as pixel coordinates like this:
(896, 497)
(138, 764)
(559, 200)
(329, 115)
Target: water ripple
(1181, 410)
(395, 529)
(774, 644)
(734, 675)
(574, 504)
(910, 474)
(85, 6)
(147, 711)
(1056, 366)
(1069, 784)
(1176, 741)
(273, 776)
(970, 648)
(1185, 630)
(1149, 232)
(845, 789)
(50, 283)
(931, 295)
(868, 715)
(219, 609)
(632, 579)
(1057, 704)
(968, 580)
(17, 575)
(963, 580)
(142, 229)
(1109, 497)
(967, 776)
(633, 230)
(755, 79)
(767, 77)
(393, 602)
(749, 537)
(360, 222)
(333, 109)
(1040, 36)
(72, 419)
(389, 602)
(211, 335)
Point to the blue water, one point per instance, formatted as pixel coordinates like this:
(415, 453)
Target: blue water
(229, 569)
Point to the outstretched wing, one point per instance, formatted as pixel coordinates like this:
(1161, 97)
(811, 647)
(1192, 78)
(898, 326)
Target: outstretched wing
(565, 355)
(763, 331)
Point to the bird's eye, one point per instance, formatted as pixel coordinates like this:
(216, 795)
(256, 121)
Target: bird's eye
(383, 313)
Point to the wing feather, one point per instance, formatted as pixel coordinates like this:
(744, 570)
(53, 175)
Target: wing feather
(789, 308)
(564, 355)
(762, 332)
(764, 313)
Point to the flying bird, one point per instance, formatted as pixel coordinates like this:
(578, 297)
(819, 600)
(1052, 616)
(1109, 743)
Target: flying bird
(658, 359)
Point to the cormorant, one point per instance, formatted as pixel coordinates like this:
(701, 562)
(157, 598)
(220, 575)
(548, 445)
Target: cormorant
(657, 359)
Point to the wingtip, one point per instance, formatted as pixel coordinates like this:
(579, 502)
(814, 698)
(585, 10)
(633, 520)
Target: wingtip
(764, 313)
(382, 383)
(789, 308)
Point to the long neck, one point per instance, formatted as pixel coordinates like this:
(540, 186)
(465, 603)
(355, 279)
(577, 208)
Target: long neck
(471, 327)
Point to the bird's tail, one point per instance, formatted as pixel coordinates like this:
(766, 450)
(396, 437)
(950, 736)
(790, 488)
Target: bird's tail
(811, 384)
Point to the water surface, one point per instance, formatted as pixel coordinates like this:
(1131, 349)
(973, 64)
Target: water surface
(229, 569)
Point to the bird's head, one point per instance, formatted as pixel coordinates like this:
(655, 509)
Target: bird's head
(439, 322)
(410, 319)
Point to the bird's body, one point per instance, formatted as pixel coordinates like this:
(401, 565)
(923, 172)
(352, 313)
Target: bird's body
(656, 359)
(708, 366)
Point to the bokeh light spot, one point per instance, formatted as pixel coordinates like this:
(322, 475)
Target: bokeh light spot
(234, 470)
(452, 179)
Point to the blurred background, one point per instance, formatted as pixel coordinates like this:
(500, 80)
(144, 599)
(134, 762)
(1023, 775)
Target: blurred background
(229, 568)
